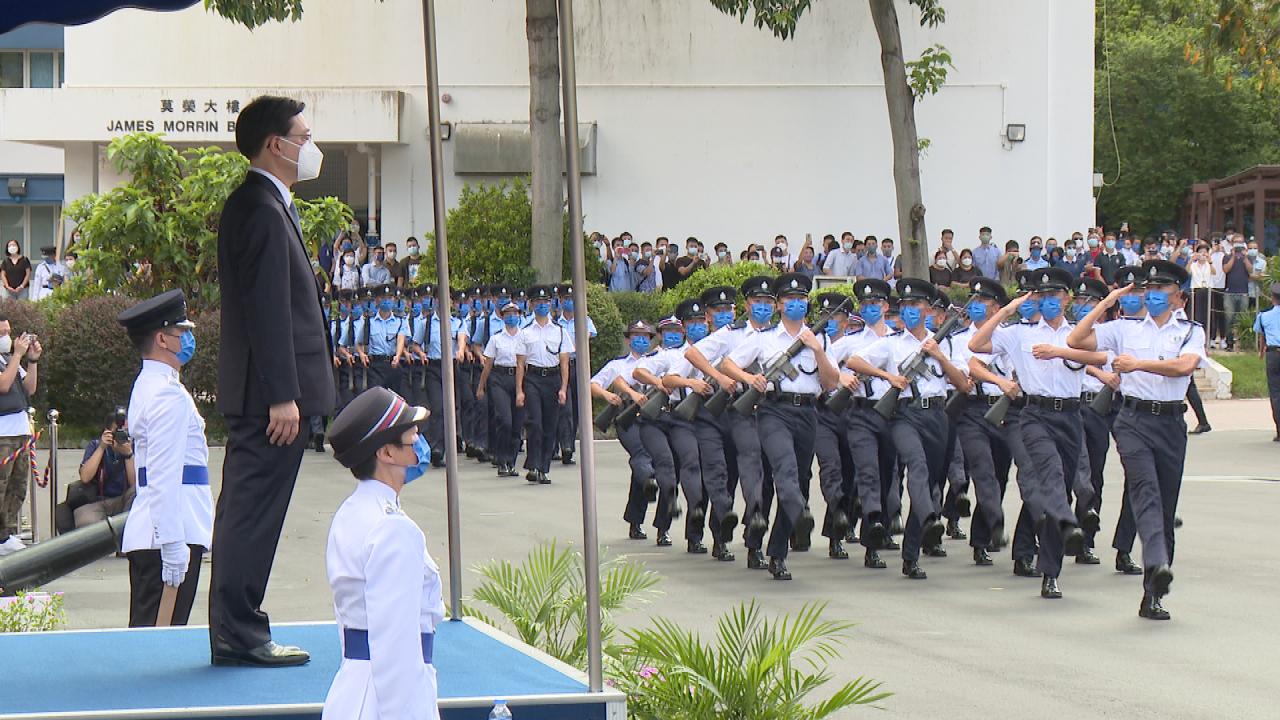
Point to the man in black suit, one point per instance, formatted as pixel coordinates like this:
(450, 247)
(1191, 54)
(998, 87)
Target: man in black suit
(273, 374)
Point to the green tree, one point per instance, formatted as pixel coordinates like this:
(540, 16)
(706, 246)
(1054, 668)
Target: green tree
(159, 229)
(904, 84)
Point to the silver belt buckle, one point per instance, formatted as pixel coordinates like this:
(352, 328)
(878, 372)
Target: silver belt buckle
(796, 399)
(1155, 408)
(1057, 404)
(925, 402)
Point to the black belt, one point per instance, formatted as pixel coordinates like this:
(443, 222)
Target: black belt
(988, 400)
(924, 403)
(1056, 404)
(504, 369)
(790, 398)
(1087, 397)
(542, 371)
(1156, 407)
(380, 357)
(355, 645)
(865, 403)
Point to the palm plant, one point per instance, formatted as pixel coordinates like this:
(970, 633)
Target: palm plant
(544, 599)
(757, 669)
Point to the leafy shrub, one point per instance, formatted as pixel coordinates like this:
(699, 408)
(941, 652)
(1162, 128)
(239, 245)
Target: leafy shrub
(91, 364)
(609, 323)
(26, 317)
(755, 669)
(32, 612)
(201, 374)
(638, 306)
(713, 276)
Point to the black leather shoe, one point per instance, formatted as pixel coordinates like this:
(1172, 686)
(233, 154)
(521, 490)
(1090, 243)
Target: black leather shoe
(472, 451)
(872, 560)
(637, 533)
(1151, 608)
(1049, 589)
(697, 515)
(876, 536)
(1072, 540)
(1023, 567)
(895, 525)
(891, 544)
(981, 558)
(566, 458)
(674, 511)
(437, 460)
(319, 442)
(1126, 565)
(839, 524)
(836, 551)
(963, 507)
(269, 654)
(801, 544)
(695, 547)
(851, 537)
(998, 539)
(543, 479)
(720, 551)
(778, 569)
(755, 560)
(531, 476)
(1091, 522)
(651, 490)
(757, 525)
(912, 569)
(803, 531)
(1199, 430)
(935, 551)
(1161, 579)
(932, 533)
(728, 523)
(1086, 557)
(954, 530)
(664, 540)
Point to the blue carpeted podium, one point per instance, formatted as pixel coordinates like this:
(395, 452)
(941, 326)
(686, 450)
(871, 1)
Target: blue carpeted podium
(165, 673)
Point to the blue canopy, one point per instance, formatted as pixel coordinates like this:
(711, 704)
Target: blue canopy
(74, 12)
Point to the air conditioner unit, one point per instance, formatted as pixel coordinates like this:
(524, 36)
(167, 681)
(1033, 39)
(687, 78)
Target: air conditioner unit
(17, 187)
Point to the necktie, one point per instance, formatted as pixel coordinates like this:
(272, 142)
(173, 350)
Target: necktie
(297, 221)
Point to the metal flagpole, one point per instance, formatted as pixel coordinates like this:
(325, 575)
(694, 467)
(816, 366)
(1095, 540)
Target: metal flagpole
(444, 312)
(582, 341)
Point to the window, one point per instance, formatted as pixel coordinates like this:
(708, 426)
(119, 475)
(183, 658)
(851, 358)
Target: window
(13, 225)
(33, 226)
(31, 69)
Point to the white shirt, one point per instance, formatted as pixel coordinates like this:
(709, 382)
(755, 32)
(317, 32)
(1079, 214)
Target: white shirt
(961, 354)
(855, 343)
(1049, 378)
(669, 361)
(720, 343)
(42, 279)
(766, 345)
(280, 187)
(1219, 281)
(840, 262)
(570, 326)
(890, 351)
(171, 454)
(617, 368)
(385, 582)
(19, 423)
(503, 347)
(543, 344)
(1202, 274)
(1145, 340)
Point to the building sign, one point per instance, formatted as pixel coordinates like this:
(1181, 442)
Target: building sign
(186, 115)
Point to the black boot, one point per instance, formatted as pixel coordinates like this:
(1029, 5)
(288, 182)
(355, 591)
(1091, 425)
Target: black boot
(755, 560)
(695, 547)
(872, 560)
(1049, 589)
(954, 531)
(912, 569)
(836, 551)
(319, 442)
(876, 535)
(1151, 608)
(1023, 567)
(963, 507)
(932, 533)
(637, 533)
(935, 551)
(1086, 557)
(664, 540)
(778, 569)
(720, 551)
(1126, 565)
(566, 457)
(981, 558)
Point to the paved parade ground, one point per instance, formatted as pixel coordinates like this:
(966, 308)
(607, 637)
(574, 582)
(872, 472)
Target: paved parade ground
(968, 642)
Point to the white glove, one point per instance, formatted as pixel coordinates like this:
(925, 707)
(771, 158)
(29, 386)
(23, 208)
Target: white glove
(174, 558)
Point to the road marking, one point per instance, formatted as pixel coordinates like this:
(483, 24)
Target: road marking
(1229, 478)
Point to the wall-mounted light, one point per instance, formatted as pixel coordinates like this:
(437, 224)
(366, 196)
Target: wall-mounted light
(17, 188)
(1016, 133)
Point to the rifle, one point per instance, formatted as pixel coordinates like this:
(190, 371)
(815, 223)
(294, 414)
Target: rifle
(995, 415)
(781, 364)
(911, 368)
(955, 405)
(719, 400)
(839, 401)
(607, 416)
(1102, 403)
(688, 408)
(653, 403)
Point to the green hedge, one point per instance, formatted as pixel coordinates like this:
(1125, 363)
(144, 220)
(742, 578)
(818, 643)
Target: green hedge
(638, 306)
(609, 323)
(716, 275)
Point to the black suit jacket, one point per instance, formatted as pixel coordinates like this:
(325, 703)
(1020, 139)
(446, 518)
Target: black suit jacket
(274, 347)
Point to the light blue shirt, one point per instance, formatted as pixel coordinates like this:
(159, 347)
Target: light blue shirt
(571, 328)
(1268, 323)
(431, 330)
(383, 332)
(984, 259)
(1036, 263)
(878, 267)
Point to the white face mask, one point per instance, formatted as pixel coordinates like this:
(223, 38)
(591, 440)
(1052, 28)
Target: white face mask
(413, 252)
(309, 159)
(6, 345)
(349, 260)
(391, 254)
(967, 262)
(13, 249)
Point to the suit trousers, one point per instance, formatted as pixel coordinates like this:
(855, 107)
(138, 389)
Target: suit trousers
(753, 478)
(835, 467)
(715, 446)
(983, 443)
(921, 439)
(1153, 450)
(873, 454)
(567, 428)
(787, 435)
(1052, 440)
(641, 470)
(145, 587)
(435, 403)
(257, 483)
(1097, 442)
(381, 374)
(542, 414)
(956, 478)
(505, 415)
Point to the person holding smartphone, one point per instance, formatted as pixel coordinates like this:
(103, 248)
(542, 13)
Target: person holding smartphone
(18, 358)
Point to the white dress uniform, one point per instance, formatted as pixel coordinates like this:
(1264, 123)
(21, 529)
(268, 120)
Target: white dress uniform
(386, 597)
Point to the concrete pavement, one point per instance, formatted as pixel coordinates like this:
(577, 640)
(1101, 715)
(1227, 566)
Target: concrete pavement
(967, 643)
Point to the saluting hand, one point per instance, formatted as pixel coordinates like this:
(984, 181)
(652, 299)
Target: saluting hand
(1012, 307)
(283, 423)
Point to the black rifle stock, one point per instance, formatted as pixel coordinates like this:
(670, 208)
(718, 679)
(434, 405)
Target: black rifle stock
(1102, 403)
(607, 416)
(653, 403)
(718, 401)
(955, 405)
(911, 368)
(995, 414)
(781, 364)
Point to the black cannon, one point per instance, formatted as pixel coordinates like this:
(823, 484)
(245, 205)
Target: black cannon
(63, 554)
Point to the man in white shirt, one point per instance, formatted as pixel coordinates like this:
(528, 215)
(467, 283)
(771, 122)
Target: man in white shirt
(844, 261)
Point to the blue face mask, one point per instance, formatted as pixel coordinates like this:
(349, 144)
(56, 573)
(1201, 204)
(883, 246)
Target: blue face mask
(417, 308)
(722, 318)
(429, 304)
(464, 309)
(891, 323)
(795, 309)
(929, 323)
(1050, 308)
(387, 305)
(477, 305)
(977, 312)
(1035, 252)
(1079, 310)
(566, 305)
(871, 313)
(523, 305)
(641, 344)
(423, 451)
(832, 329)
(1130, 304)
(910, 317)
(761, 312)
(542, 309)
(370, 307)
(511, 320)
(1157, 302)
(357, 312)
(401, 305)
(187, 347)
(672, 339)
(1028, 309)
(696, 331)
(488, 305)
(555, 304)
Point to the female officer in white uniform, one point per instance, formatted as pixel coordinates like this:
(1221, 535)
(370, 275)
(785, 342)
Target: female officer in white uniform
(386, 587)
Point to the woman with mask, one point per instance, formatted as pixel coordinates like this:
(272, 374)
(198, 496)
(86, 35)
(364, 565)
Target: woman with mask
(939, 271)
(15, 272)
(1203, 273)
(806, 265)
(966, 271)
(386, 587)
(498, 379)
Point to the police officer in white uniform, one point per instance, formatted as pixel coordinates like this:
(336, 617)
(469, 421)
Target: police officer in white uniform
(386, 587)
(542, 382)
(614, 384)
(498, 382)
(171, 524)
(1155, 357)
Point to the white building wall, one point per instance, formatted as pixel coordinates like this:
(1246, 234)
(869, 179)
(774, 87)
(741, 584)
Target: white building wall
(706, 127)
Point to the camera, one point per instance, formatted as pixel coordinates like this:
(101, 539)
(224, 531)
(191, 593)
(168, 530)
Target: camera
(120, 437)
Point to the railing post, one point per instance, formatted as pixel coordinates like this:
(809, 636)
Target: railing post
(53, 472)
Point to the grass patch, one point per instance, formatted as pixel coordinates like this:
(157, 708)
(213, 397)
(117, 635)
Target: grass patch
(1248, 374)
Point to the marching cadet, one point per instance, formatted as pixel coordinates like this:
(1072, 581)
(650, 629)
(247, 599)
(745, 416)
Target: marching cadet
(542, 382)
(614, 384)
(475, 419)
(787, 417)
(343, 347)
(1097, 427)
(568, 427)
(955, 503)
(434, 374)
(919, 427)
(1155, 357)
(1129, 306)
(671, 440)
(386, 341)
(386, 587)
(666, 450)
(498, 385)
(707, 356)
(362, 308)
(835, 463)
(171, 523)
(464, 379)
(1049, 425)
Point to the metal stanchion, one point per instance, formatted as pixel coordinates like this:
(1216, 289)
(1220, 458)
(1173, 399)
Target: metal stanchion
(53, 472)
(32, 487)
